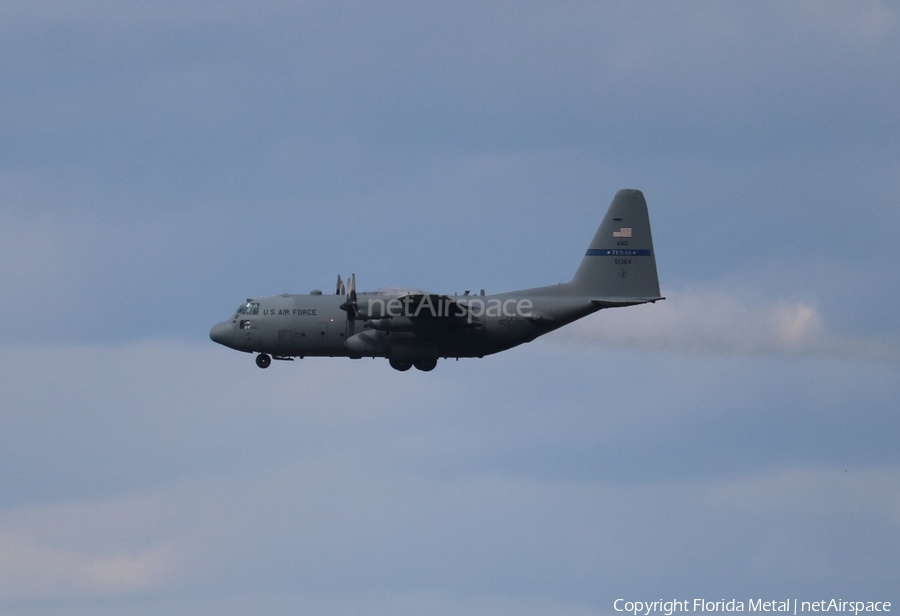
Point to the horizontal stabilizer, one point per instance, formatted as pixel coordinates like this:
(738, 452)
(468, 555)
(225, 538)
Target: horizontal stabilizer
(617, 302)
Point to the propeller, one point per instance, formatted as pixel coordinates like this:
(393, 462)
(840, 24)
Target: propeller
(350, 306)
(340, 286)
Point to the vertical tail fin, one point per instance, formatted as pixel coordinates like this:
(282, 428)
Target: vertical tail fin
(620, 265)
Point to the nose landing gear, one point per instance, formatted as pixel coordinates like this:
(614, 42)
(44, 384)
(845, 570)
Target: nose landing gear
(263, 360)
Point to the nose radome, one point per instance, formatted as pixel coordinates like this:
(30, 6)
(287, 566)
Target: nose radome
(219, 332)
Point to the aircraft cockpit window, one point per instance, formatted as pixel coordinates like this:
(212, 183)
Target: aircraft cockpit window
(249, 308)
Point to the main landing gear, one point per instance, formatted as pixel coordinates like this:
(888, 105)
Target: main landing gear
(425, 365)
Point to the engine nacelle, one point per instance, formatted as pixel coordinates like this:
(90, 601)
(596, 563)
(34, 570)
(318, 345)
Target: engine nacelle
(395, 324)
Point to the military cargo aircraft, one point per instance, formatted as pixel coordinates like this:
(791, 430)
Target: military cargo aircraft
(411, 327)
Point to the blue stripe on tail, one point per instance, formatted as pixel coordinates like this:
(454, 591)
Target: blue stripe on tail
(617, 252)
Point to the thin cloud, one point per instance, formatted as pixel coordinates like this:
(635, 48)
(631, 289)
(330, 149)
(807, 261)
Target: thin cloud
(31, 569)
(799, 489)
(712, 321)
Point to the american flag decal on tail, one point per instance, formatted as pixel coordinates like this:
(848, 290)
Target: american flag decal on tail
(623, 232)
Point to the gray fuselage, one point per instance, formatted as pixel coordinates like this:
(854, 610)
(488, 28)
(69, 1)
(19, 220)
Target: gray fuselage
(315, 325)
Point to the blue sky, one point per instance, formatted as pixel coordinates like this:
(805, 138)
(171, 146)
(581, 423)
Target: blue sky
(162, 161)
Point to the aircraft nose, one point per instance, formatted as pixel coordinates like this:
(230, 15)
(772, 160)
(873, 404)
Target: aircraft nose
(220, 333)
